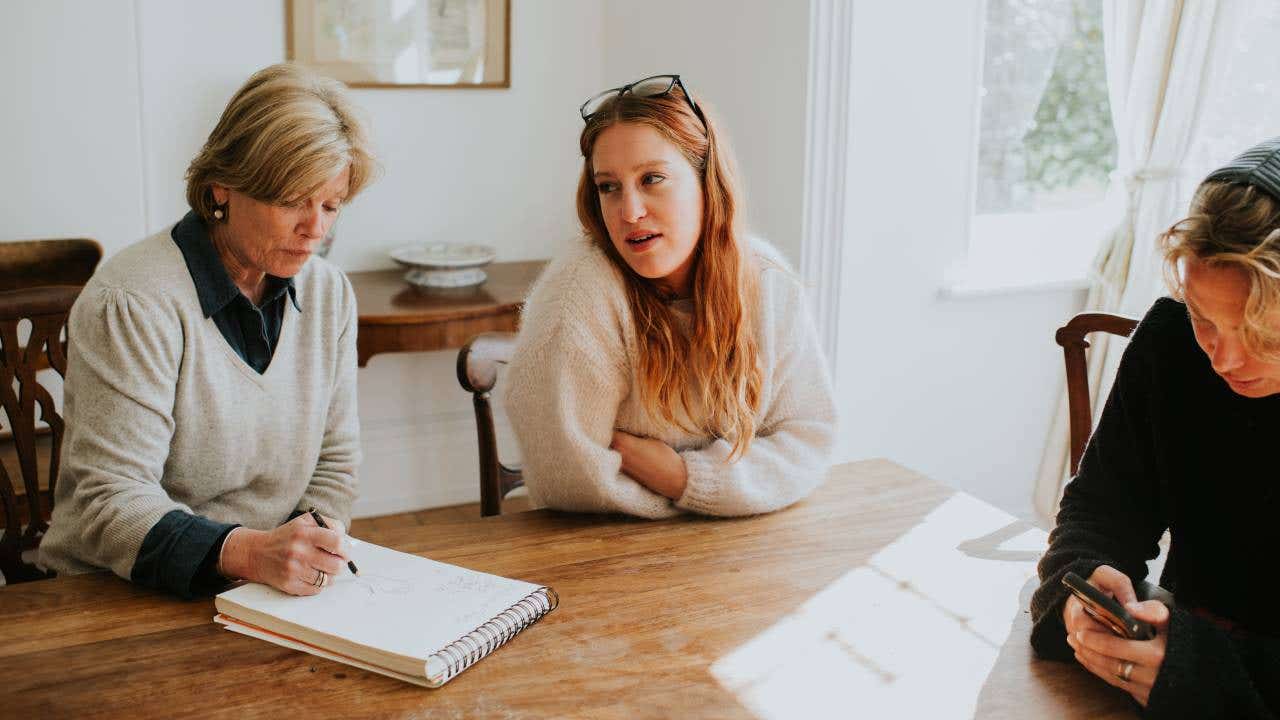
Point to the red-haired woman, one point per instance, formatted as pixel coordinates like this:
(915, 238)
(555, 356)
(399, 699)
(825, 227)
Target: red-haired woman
(668, 364)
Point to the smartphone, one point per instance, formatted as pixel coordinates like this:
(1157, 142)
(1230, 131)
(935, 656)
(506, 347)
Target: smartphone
(1104, 608)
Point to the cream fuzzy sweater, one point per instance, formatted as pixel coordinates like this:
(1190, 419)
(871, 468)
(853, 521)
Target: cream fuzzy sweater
(163, 415)
(573, 381)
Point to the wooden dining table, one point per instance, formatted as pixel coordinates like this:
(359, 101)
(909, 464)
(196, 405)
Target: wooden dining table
(883, 594)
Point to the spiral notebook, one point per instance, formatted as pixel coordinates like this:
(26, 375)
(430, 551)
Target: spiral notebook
(404, 616)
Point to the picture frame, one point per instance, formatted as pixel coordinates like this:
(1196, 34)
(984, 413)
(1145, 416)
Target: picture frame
(403, 43)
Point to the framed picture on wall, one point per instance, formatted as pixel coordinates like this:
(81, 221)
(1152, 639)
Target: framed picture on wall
(403, 43)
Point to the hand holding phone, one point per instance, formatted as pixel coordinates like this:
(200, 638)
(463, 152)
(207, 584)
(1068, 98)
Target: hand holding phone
(1107, 611)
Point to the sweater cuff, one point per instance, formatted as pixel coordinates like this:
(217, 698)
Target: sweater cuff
(702, 486)
(174, 551)
(1191, 681)
(208, 581)
(1049, 633)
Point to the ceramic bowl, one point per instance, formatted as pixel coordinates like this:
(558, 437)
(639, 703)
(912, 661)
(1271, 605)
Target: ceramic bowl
(444, 265)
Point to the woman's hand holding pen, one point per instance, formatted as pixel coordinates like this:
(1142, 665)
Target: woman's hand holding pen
(298, 557)
(652, 463)
(1131, 665)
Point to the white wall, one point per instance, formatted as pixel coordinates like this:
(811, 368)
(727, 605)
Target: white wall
(748, 61)
(492, 166)
(960, 390)
(106, 101)
(69, 137)
(188, 75)
(113, 105)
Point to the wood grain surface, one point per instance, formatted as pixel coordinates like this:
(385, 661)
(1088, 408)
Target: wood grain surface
(650, 614)
(397, 317)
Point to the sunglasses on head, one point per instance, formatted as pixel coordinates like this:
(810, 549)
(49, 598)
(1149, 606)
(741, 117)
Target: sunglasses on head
(650, 87)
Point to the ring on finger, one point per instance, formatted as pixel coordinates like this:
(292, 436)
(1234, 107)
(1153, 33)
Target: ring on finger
(1124, 671)
(318, 580)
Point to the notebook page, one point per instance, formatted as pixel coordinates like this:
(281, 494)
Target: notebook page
(400, 603)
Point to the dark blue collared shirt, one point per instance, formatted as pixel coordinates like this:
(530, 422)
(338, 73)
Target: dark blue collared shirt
(251, 330)
(180, 553)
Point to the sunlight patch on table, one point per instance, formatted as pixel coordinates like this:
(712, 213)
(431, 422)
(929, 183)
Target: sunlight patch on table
(914, 633)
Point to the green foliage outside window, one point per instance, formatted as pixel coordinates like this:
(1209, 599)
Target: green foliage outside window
(1072, 140)
(1046, 139)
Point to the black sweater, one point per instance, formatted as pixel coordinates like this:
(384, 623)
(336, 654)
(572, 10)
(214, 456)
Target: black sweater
(1176, 449)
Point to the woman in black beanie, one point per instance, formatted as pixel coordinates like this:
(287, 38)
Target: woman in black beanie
(1186, 444)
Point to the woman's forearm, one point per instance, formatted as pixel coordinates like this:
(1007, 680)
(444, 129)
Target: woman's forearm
(238, 551)
(652, 463)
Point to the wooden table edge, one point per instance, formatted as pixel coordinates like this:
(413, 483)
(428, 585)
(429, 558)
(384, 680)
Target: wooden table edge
(438, 318)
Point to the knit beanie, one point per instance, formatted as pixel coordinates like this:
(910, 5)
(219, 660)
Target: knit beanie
(1258, 166)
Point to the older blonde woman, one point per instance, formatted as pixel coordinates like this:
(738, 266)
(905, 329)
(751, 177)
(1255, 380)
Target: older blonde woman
(1185, 444)
(210, 393)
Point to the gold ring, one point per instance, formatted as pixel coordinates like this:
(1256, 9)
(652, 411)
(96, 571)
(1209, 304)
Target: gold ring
(319, 579)
(1125, 671)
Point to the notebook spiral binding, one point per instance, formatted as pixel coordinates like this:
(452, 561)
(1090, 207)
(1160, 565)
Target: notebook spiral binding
(470, 648)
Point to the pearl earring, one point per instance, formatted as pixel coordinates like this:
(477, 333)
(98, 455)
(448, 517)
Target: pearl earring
(217, 214)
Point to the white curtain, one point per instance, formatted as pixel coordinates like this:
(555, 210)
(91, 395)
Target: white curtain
(1157, 53)
(1018, 63)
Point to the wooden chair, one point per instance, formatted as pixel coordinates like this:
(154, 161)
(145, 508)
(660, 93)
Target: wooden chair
(478, 363)
(36, 263)
(1072, 339)
(33, 454)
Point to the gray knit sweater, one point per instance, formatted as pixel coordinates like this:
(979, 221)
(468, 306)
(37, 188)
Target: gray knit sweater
(163, 415)
(573, 381)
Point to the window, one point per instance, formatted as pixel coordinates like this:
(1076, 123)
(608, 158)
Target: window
(1046, 141)
(1046, 146)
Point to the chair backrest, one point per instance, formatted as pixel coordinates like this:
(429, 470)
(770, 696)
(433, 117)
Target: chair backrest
(29, 456)
(1072, 339)
(478, 363)
(37, 263)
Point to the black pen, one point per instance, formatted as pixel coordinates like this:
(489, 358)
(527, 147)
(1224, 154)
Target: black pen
(320, 521)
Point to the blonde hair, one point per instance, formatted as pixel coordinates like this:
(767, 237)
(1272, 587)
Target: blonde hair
(284, 134)
(1233, 225)
(713, 371)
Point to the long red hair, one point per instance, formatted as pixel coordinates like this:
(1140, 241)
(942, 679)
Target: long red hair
(711, 376)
